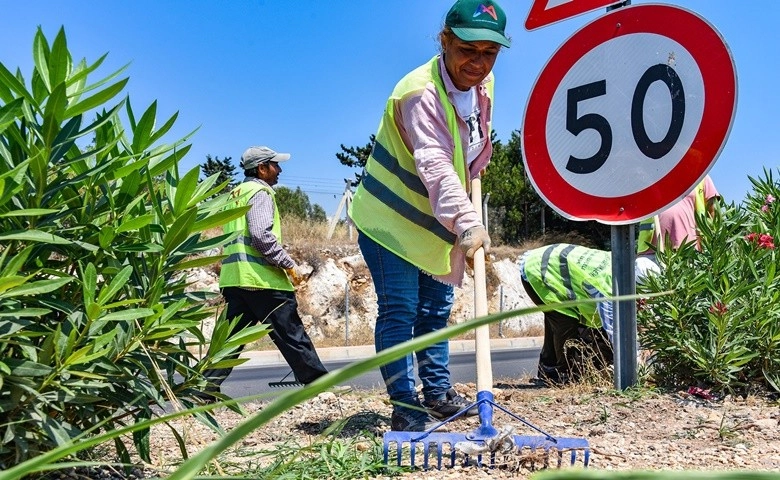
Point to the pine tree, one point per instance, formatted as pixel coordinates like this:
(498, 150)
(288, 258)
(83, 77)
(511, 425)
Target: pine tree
(224, 168)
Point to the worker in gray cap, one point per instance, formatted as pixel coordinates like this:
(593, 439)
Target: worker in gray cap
(258, 274)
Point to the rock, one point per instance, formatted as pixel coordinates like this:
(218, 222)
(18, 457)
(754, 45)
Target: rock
(339, 290)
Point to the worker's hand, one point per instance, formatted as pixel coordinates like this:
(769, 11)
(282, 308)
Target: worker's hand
(296, 274)
(471, 240)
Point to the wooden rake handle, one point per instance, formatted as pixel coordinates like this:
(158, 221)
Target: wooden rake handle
(482, 334)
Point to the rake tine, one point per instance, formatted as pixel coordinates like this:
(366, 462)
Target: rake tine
(282, 383)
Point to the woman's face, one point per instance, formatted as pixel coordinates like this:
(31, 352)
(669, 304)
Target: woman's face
(468, 63)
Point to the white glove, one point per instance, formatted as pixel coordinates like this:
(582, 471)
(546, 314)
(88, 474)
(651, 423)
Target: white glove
(472, 239)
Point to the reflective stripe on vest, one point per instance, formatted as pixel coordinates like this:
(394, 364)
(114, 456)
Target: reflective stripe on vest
(391, 204)
(244, 266)
(563, 272)
(644, 240)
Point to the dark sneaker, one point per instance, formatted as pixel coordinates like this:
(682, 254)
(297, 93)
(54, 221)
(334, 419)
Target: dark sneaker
(408, 420)
(552, 376)
(452, 403)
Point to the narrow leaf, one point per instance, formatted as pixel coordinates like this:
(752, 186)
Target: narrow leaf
(36, 288)
(117, 283)
(35, 236)
(97, 99)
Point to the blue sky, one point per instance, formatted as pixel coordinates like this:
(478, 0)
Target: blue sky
(304, 77)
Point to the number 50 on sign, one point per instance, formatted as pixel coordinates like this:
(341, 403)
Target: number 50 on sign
(629, 114)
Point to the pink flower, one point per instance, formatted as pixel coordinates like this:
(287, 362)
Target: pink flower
(766, 241)
(769, 199)
(765, 208)
(763, 240)
(719, 308)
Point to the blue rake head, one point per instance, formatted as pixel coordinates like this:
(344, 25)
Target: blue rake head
(483, 446)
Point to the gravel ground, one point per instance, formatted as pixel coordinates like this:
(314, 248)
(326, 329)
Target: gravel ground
(670, 431)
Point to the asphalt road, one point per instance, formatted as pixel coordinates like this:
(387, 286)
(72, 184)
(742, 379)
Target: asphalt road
(509, 366)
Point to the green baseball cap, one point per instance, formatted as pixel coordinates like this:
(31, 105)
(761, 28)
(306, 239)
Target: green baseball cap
(475, 20)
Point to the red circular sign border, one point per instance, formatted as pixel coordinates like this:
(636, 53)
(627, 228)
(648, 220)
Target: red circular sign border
(690, 31)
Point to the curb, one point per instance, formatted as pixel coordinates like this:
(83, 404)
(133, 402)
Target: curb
(358, 352)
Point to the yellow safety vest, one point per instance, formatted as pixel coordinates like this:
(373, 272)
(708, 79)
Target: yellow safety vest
(391, 204)
(244, 265)
(647, 226)
(564, 272)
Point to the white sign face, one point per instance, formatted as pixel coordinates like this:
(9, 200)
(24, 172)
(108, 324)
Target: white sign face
(656, 107)
(629, 114)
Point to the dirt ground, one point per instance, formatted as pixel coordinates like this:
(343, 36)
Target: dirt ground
(625, 431)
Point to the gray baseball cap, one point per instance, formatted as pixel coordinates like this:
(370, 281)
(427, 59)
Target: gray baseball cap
(254, 156)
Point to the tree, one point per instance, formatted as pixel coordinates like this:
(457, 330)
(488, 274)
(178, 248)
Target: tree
(224, 168)
(516, 212)
(511, 196)
(296, 203)
(356, 157)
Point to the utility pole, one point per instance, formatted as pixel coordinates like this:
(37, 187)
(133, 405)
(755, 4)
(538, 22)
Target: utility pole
(346, 201)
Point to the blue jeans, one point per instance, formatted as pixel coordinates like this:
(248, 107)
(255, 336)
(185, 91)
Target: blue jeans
(410, 304)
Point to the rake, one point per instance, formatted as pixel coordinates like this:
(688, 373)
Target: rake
(284, 383)
(485, 445)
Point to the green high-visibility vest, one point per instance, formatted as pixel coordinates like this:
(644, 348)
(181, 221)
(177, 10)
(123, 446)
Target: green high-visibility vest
(644, 240)
(391, 204)
(244, 265)
(563, 272)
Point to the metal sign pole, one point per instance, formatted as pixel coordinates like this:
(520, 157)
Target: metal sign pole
(625, 336)
(624, 318)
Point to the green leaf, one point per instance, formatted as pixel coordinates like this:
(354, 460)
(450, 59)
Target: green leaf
(10, 112)
(25, 312)
(7, 282)
(27, 368)
(143, 130)
(219, 218)
(65, 139)
(29, 212)
(164, 129)
(89, 285)
(53, 114)
(158, 166)
(15, 85)
(7, 327)
(132, 314)
(134, 223)
(60, 62)
(17, 261)
(196, 263)
(35, 236)
(184, 190)
(82, 356)
(117, 283)
(41, 56)
(36, 288)
(179, 231)
(140, 247)
(96, 100)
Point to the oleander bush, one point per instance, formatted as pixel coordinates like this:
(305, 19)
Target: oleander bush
(97, 230)
(720, 326)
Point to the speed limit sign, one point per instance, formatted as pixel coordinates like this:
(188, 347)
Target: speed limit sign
(629, 114)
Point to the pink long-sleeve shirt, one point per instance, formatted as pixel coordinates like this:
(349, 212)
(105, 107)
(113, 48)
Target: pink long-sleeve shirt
(422, 122)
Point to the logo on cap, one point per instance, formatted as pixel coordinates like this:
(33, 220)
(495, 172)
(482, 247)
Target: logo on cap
(491, 10)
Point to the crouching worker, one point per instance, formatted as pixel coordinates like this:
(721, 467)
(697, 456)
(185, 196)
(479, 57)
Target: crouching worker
(560, 273)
